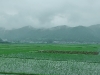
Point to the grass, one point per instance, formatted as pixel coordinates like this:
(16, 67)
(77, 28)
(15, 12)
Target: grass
(48, 67)
(23, 58)
(30, 51)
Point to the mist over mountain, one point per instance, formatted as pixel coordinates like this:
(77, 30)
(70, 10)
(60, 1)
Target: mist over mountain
(59, 34)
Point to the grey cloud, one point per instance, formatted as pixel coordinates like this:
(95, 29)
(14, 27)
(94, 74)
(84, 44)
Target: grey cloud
(48, 13)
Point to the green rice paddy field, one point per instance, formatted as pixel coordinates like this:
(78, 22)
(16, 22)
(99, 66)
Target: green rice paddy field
(49, 59)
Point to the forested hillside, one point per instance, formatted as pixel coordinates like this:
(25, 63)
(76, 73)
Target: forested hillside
(59, 33)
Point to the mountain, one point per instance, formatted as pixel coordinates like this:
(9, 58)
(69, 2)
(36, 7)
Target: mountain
(1, 40)
(96, 29)
(58, 33)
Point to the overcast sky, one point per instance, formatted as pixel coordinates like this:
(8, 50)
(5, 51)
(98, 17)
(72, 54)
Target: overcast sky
(48, 13)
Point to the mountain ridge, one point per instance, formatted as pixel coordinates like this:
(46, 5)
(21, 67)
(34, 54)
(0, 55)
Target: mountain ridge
(58, 33)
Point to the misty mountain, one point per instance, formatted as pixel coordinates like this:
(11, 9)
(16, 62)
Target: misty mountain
(58, 33)
(1, 40)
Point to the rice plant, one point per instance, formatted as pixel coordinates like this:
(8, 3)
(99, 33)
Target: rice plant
(48, 67)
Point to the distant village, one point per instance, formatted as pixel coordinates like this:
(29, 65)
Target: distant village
(4, 41)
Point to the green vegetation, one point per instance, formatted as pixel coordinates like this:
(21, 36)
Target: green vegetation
(26, 55)
(31, 51)
(59, 34)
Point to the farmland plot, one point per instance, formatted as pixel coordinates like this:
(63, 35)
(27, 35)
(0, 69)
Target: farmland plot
(45, 59)
(48, 67)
